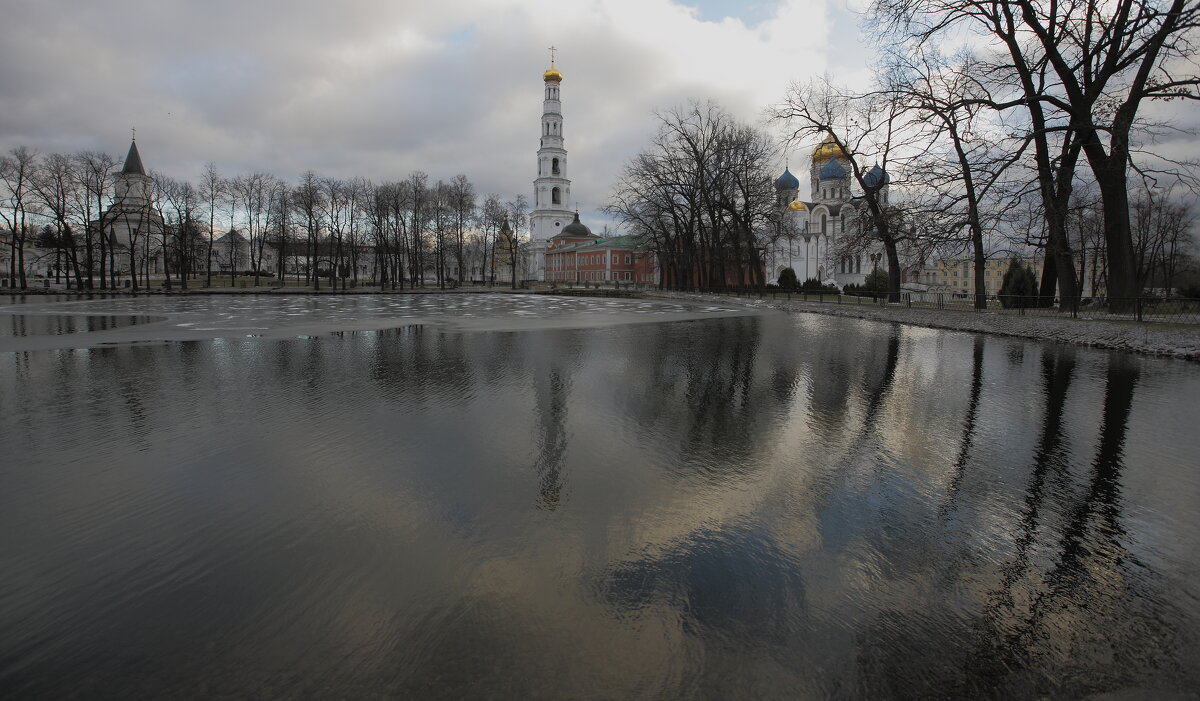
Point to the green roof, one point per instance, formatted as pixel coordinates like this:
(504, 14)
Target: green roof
(628, 241)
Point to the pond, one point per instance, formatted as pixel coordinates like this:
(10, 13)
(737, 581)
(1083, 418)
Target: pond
(449, 496)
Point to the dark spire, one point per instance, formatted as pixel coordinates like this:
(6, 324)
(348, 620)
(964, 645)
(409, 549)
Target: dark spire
(133, 161)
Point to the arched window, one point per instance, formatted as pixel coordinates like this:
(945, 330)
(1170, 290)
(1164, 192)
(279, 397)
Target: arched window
(858, 263)
(555, 196)
(824, 223)
(554, 166)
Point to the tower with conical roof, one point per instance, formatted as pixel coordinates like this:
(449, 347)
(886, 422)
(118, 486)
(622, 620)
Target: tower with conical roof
(132, 185)
(131, 222)
(551, 187)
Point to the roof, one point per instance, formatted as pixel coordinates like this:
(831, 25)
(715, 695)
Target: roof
(133, 161)
(832, 170)
(575, 229)
(627, 241)
(787, 181)
(232, 236)
(875, 175)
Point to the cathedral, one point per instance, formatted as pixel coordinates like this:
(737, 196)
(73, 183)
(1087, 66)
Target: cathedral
(813, 236)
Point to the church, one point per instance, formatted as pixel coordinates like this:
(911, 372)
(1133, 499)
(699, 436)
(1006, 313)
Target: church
(813, 235)
(132, 223)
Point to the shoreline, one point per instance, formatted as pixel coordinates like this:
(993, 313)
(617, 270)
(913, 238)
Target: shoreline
(1146, 338)
(1179, 341)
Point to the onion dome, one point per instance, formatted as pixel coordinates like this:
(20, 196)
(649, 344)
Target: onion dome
(828, 149)
(552, 75)
(787, 181)
(797, 206)
(833, 170)
(876, 177)
(576, 228)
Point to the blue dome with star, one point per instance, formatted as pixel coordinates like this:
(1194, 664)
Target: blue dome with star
(787, 181)
(876, 176)
(833, 170)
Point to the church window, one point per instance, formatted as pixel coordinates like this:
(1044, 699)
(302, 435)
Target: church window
(824, 223)
(555, 196)
(554, 166)
(858, 263)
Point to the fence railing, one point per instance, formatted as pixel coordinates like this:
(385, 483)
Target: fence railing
(1170, 310)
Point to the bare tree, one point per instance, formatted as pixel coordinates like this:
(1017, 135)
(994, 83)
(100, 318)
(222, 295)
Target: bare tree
(308, 200)
(17, 173)
(462, 203)
(518, 218)
(213, 190)
(702, 197)
(1105, 58)
(491, 215)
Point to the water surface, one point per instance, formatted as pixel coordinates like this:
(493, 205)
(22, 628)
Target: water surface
(698, 505)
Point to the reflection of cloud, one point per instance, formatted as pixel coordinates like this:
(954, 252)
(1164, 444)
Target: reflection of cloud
(735, 581)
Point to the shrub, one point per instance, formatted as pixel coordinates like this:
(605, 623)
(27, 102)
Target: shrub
(787, 279)
(814, 286)
(1019, 288)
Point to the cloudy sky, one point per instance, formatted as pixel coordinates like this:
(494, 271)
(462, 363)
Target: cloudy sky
(382, 88)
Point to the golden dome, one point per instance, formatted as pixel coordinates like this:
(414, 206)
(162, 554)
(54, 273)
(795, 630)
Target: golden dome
(552, 75)
(797, 206)
(828, 150)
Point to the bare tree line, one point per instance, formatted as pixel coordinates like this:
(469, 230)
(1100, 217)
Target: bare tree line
(343, 232)
(700, 196)
(981, 133)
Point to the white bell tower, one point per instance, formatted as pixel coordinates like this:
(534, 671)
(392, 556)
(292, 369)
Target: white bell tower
(551, 188)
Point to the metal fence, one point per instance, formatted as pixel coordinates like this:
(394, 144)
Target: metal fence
(1135, 309)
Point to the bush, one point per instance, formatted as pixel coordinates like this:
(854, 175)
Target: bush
(787, 279)
(1020, 286)
(814, 286)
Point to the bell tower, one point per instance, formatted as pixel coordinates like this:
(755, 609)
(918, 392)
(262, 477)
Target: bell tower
(551, 187)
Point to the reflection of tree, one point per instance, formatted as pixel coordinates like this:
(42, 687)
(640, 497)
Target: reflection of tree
(551, 396)
(1071, 612)
(879, 388)
(964, 449)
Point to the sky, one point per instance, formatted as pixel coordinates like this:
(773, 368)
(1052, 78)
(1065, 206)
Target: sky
(381, 89)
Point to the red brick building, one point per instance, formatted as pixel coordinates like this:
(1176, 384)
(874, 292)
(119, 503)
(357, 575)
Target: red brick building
(576, 255)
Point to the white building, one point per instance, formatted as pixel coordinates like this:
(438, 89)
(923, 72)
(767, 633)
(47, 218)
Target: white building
(812, 234)
(132, 222)
(551, 187)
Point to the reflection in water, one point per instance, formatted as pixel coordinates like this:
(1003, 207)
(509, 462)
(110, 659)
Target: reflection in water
(756, 507)
(58, 324)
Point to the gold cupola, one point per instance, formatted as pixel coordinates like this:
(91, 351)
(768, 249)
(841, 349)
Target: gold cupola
(552, 75)
(828, 150)
(797, 206)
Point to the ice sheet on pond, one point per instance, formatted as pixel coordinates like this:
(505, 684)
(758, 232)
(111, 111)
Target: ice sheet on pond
(38, 325)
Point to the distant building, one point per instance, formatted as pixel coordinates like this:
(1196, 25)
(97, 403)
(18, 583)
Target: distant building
(956, 275)
(576, 255)
(132, 223)
(811, 236)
